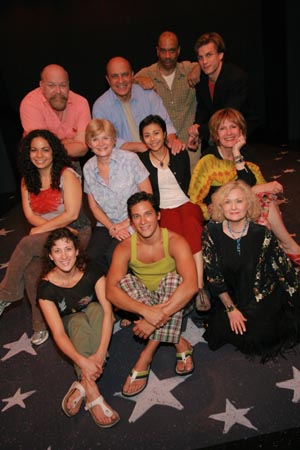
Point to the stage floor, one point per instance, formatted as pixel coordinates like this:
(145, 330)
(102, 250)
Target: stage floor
(229, 402)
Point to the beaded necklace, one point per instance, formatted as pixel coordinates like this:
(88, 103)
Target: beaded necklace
(237, 239)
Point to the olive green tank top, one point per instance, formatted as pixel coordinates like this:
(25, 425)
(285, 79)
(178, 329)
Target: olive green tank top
(151, 274)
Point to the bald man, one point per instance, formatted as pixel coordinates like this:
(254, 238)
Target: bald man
(126, 105)
(174, 81)
(54, 107)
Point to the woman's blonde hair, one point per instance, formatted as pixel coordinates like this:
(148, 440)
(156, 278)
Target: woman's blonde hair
(218, 199)
(96, 126)
(225, 114)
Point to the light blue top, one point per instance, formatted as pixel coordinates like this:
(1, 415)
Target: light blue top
(126, 171)
(143, 102)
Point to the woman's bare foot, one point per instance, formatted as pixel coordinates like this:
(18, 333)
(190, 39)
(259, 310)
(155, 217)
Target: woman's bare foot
(73, 399)
(104, 416)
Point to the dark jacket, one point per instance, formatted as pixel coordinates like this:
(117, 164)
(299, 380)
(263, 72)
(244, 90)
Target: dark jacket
(179, 165)
(231, 91)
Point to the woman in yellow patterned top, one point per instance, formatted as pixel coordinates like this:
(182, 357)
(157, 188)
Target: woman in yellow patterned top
(230, 159)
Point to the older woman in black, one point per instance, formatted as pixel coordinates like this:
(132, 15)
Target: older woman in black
(255, 286)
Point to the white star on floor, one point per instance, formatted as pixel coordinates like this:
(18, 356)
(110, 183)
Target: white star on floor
(22, 345)
(289, 170)
(3, 232)
(193, 334)
(16, 399)
(274, 177)
(232, 416)
(117, 327)
(157, 392)
(293, 384)
(3, 266)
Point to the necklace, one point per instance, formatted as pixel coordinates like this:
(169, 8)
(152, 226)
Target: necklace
(240, 233)
(161, 161)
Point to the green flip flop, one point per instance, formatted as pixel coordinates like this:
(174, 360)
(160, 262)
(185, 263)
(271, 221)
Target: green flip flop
(183, 357)
(135, 376)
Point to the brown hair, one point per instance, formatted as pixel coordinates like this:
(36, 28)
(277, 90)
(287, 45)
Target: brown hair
(213, 37)
(68, 235)
(225, 114)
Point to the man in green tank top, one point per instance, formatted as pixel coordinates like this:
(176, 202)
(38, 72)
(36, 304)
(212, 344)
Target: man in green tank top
(162, 283)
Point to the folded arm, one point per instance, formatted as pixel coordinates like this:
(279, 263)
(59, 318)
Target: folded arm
(72, 197)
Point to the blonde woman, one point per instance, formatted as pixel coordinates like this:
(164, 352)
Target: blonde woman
(111, 176)
(255, 286)
(230, 159)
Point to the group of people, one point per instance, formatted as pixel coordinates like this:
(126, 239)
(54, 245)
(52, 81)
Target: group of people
(173, 230)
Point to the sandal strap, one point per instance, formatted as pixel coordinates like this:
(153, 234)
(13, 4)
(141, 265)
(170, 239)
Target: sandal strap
(184, 355)
(136, 375)
(80, 388)
(77, 385)
(99, 401)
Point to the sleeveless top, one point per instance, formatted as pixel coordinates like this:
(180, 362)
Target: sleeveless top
(49, 203)
(151, 274)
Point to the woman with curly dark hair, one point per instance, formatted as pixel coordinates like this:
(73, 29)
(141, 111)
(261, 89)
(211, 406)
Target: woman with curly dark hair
(72, 298)
(51, 194)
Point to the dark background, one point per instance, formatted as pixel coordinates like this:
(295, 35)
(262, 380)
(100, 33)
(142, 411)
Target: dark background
(260, 36)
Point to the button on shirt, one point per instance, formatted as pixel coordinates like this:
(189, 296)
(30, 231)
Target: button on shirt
(180, 100)
(142, 102)
(126, 171)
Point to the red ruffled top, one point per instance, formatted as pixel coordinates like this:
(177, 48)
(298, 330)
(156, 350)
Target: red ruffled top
(46, 201)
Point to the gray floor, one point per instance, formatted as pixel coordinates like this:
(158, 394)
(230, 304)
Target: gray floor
(228, 402)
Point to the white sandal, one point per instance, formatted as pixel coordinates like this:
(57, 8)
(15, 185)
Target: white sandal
(81, 396)
(108, 412)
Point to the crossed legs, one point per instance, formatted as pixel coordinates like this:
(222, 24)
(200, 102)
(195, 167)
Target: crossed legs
(84, 330)
(169, 333)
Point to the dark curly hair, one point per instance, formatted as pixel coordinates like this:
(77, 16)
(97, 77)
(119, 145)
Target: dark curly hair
(29, 171)
(63, 233)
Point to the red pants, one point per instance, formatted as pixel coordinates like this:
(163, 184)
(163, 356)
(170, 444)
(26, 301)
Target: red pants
(186, 220)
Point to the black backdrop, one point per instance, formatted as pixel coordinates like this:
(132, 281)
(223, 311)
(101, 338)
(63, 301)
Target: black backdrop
(82, 35)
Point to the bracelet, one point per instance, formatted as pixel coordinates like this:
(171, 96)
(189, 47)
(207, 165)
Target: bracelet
(230, 308)
(239, 159)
